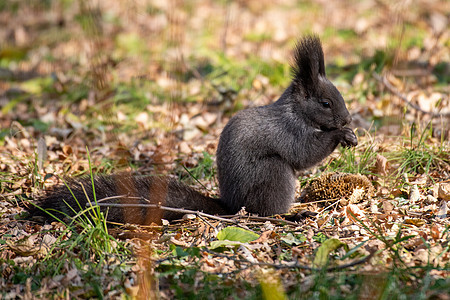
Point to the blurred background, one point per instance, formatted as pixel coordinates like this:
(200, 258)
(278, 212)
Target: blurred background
(146, 86)
(143, 83)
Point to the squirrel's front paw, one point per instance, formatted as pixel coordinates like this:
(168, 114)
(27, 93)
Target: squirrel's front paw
(349, 138)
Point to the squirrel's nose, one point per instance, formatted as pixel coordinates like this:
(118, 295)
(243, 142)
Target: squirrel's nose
(347, 120)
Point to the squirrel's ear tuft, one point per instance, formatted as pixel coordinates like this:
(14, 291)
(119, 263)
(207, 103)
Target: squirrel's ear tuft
(308, 63)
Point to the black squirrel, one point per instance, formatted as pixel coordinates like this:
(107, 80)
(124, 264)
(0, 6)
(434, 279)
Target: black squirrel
(258, 153)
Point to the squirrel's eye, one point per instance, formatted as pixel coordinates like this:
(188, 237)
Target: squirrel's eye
(325, 104)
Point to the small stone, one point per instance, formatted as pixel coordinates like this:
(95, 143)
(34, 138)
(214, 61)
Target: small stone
(200, 123)
(189, 217)
(190, 133)
(184, 148)
(374, 208)
(210, 118)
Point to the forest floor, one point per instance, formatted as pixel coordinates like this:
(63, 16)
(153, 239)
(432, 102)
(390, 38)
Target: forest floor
(147, 86)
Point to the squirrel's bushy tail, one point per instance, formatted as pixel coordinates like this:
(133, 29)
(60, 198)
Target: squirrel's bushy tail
(132, 190)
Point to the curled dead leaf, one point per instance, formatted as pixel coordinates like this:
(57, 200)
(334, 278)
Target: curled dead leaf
(71, 276)
(47, 241)
(357, 195)
(430, 199)
(131, 290)
(354, 213)
(444, 191)
(24, 247)
(381, 165)
(414, 243)
(395, 81)
(415, 222)
(178, 242)
(67, 150)
(414, 194)
(264, 237)
(387, 207)
(442, 212)
(435, 232)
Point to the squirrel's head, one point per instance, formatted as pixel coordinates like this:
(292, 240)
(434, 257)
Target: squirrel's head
(315, 97)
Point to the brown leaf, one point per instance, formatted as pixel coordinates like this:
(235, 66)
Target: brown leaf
(381, 165)
(184, 148)
(444, 191)
(387, 207)
(67, 150)
(352, 212)
(178, 242)
(24, 247)
(414, 243)
(70, 277)
(435, 232)
(415, 222)
(264, 237)
(131, 290)
(442, 212)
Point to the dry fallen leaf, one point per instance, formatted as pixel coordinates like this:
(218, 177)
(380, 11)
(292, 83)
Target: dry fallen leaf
(444, 191)
(442, 212)
(193, 122)
(414, 194)
(263, 237)
(67, 150)
(381, 165)
(24, 247)
(354, 213)
(435, 232)
(415, 222)
(387, 207)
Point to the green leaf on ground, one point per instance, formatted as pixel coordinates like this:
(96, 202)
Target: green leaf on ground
(237, 234)
(325, 249)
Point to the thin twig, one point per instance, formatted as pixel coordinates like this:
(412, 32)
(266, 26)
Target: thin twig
(185, 211)
(273, 220)
(402, 97)
(411, 73)
(114, 197)
(296, 265)
(223, 39)
(303, 267)
(209, 224)
(325, 209)
(178, 210)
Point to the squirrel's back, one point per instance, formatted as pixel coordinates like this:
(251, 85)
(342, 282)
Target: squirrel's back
(251, 171)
